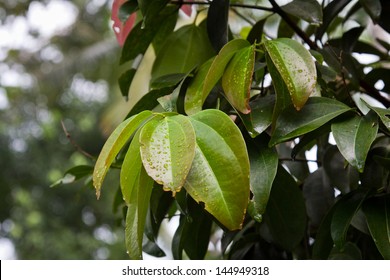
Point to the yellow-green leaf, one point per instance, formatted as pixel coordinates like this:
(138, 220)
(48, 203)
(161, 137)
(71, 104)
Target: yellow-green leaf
(296, 66)
(237, 79)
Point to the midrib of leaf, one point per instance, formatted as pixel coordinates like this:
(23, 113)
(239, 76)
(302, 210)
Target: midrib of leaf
(387, 221)
(219, 189)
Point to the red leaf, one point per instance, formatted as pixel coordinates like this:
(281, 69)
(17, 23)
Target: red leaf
(187, 9)
(121, 29)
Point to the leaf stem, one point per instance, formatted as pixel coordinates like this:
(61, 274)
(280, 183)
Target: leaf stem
(75, 145)
(300, 160)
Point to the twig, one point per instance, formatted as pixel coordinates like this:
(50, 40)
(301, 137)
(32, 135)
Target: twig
(75, 145)
(300, 160)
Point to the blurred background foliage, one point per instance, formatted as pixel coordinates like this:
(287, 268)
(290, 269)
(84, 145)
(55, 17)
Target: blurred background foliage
(58, 64)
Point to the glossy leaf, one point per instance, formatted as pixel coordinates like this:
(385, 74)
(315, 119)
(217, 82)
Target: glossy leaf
(323, 240)
(308, 10)
(125, 81)
(256, 32)
(237, 79)
(350, 251)
(354, 138)
(296, 67)
(183, 50)
(286, 214)
(220, 62)
(167, 150)
(114, 144)
(136, 214)
(345, 210)
(317, 112)
(219, 175)
(377, 211)
(383, 114)
(131, 168)
(194, 98)
(263, 167)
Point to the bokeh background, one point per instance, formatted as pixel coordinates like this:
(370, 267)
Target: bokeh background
(58, 68)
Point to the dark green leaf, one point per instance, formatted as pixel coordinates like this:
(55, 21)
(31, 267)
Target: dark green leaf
(125, 81)
(169, 80)
(114, 144)
(126, 9)
(167, 150)
(354, 138)
(382, 113)
(296, 67)
(349, 252)
(260, 117)
(308, 10)
(377, 211)
(323, 240)
(286, 214)
(219, 174)
(149, 100)
(263, 166)
(373, 8)
(183, 50)
(178, 238)
(316, 112)
(136, 215)
(319, 197)
(331, 11)
(153, 249)
(217, 23)
(134, 45)
(237, 78)
(256, 33)
(345, 209)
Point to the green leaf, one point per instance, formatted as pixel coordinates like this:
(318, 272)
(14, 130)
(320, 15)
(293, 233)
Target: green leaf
(349, 252)
(260, 117)
(308, 10)
(220, 62)
(317, 112)
(383, 114)
(183, 50)
(219, 175)
(256, 32)
(169, 80)
(354, 138)
(167, 150)
(237, 78)
(373, 8)
(286, 214)
(377, 211)
(344, 210)
(113, 145)
(263, 167)
(296, 66)
(74, 174)
(136, 214)
(131, 168)
(194, 98)
(323, 240)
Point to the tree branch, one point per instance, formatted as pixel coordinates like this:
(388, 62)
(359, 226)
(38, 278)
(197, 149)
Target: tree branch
(75, 145)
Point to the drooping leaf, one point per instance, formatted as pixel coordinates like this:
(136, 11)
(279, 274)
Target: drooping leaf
(114, 144)
(183, 50)
(237, 78)
(344, 210)
(133, 46)
(286, 214)
(168, 149)
(194, 98)
(153, 249)
(383, 114)
(330, 12)
(73, 174)
(373, 8)
(296, 67)
(260, 117)
(316, 112)
(217, 23)
(308, 10)
(323, 240)
(220, 62)
(263, 166)
(349, 252)
(377, 211)
(178, 238)
(319, 197)
(219, 175)
(354, 138)
(131, 168)
(125, 81)
(136, 214)
(255, 34)
(169, 80)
